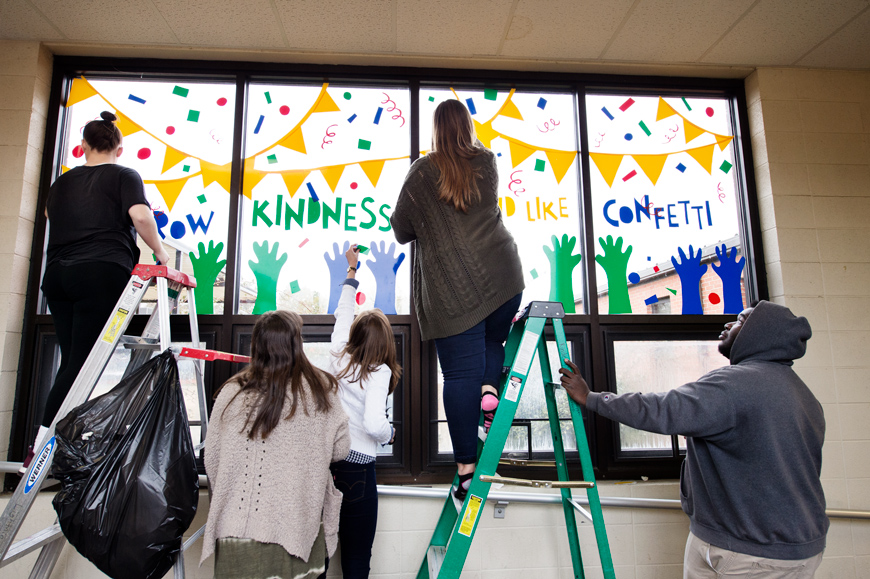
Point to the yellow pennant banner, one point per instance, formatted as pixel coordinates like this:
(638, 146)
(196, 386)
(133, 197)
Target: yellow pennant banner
(170, 190)
(651, 165)
(373, 170)
(81, 90)
(220, 174)
(608, 164)
(171, 158)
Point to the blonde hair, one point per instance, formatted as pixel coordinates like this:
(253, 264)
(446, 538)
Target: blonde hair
(370, 344)
(453, 146)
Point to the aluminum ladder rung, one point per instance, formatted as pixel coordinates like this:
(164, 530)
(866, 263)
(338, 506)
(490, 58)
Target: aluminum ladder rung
(435, 557)
(35, 541)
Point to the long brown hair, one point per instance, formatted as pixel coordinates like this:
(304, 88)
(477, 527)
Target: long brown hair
(278, 362)
(370, 344)
(453, 146)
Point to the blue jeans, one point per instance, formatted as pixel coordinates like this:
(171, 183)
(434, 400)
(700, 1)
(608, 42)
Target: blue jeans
(468, 361)
(359, 516)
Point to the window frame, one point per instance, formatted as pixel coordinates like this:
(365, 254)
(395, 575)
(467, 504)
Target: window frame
(416, 465)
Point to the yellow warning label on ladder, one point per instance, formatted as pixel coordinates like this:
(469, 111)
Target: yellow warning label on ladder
(470, 516)
(115, 324)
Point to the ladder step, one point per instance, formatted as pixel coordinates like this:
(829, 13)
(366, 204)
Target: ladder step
(538, 484)
(435, 557)
(137, 343)
(523, 462)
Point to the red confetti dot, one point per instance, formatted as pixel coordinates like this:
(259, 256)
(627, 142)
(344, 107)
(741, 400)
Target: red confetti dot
(221, 101)
(354, 185)
(170, 130)
(714, 299)
(78, 152)
(709, 111)
(284, 110)
(360, 298)
(656, 268)
(144, 153)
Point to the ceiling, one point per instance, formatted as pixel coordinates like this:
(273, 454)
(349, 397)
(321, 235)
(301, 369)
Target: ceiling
(700, 37)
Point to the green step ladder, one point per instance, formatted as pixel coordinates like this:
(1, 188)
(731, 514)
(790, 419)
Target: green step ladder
(455, 530)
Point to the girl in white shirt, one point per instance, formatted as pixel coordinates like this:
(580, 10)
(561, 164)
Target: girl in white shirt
(364, 362)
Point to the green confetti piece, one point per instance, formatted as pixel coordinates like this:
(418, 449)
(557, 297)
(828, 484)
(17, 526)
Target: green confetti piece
(193, 116)
(272, 159)
(362, 248)
(294, 286)
(201, 198)
(673, 291)
(431, 99)
(347, 96)
(490, 94)
(181, 91)
(534, 273)
(725, 166)
(645, 130)
(365, 145)
(540, 165)
(186, 168)
(268, 97)
(685, 102)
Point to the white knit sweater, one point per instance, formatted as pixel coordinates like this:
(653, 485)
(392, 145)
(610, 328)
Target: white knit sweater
(275, 490)
(365, 403)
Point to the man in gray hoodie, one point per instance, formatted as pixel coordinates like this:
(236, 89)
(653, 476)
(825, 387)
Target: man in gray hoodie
(750, 482)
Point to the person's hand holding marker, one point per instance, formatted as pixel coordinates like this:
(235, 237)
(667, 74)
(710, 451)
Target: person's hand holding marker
(574, 384)
(352, 255)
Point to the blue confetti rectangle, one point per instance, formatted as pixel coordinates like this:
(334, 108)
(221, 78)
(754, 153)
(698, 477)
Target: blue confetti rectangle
(606, 112)
(681, 168)
(351, 118)
(259, 124)
(378, 115)
(134, 98)
(311, 192)
(651, 300)
(542, 102)
(471, 107)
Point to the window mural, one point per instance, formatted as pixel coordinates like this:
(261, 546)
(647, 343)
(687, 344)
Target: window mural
(665, 207)
(179, 137)
(324, 165)
(534, 138)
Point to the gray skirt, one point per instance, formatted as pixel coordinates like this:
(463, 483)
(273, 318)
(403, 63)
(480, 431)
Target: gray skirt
(249, 559)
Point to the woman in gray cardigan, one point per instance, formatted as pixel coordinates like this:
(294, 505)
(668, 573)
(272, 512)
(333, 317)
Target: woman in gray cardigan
(468, 279)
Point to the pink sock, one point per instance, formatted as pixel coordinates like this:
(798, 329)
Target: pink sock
(489, 403)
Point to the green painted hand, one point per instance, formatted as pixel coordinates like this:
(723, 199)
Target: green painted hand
(615, 264)
(266, 270)
(206, 269)
(562, 265)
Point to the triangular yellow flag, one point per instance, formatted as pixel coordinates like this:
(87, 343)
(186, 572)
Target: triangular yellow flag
(332, 174)
(81, 90)
(372, 169)
(509, 109)
(651, 165)
(519, 152)
(220, 173)
(704, 156)
(293, 180)
(561, 162)
(723, 141)
(325, 104)
(294, 140)
(126, 125)
(251, 178)
(692, 130)
(607, 164)
(665, 110)
(63, 169)
(170, 190)
(485, 133)
(172, 158)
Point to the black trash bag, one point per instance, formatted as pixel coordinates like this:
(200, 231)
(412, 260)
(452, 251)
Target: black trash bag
(126, 463)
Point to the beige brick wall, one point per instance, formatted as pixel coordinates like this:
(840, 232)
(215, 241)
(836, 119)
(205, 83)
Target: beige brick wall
(811, 144)
(25, 74)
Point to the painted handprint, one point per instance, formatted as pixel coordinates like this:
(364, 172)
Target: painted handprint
(690, 271)
(337, 273)
(266, 270)
(615, 264)
(562, 264)
(206, 269)
(384, 265)
(729, 270)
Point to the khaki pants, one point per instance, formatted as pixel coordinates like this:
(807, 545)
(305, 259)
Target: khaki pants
(703, 560)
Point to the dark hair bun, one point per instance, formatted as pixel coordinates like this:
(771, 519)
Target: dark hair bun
(107, 116)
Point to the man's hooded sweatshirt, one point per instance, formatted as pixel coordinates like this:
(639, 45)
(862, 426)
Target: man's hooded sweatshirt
(750, 481)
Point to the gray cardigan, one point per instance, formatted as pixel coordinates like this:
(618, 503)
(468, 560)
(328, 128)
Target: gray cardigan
(466, 264)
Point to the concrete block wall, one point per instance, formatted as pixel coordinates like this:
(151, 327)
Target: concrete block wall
(811, 147)
(25, 76)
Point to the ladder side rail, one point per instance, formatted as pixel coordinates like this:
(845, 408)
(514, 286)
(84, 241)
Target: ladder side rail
(586, 465)
(198, 365)
(25, 493)
(47, 559)
(152, 327)
(470, 514)
(559, 455)
(163, 309)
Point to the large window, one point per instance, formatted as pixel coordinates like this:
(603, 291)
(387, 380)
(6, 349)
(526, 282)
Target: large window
(625, 196)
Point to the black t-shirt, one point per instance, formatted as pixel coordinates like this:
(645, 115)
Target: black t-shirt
(88, 216)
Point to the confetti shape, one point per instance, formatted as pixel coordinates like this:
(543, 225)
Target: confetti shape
(540, 165)
(471, 108)
(180, 91)
(606, 112)
(681, 168)
(651, 300)
(259, 124)
(633, 277)
(362, 249)
(201, 198)
(304, 241)
(364, 145)
(644, 128)
(284, 110)
(193, 116)
(542, 103)
(272, 159)
(624, 106)
(685, 102)
(186, 168)
(351, 118)
(360, 298)
(628, 136)
(378, 115)
(534, 273)
(673, 291)
(311, 192)
(268, 97)
(714, 298)
(221, 102)
(490, 94)
(656, 268)
(134, 98)
(629, 176)
(346, 96)
(294, 285)
(431, 99)
(725, 166)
